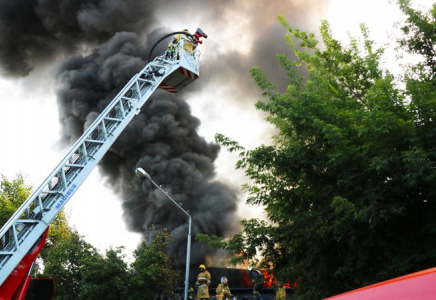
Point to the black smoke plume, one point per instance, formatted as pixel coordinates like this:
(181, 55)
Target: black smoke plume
(34, 32)
(103, 43)
(162, 139)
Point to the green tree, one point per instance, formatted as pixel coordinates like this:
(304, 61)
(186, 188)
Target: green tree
(419, 38)
(67, 264)
(80, 272)
(348, 183)
(12, 194)
(59, 231)
(153, 273)
(105, 277)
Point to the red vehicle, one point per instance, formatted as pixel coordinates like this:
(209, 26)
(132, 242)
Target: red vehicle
(416, 286)
(15, 286)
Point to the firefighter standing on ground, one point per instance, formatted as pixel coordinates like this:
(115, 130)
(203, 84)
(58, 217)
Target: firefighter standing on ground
(203, 282)
(280, 291)
(258, 280)
(191, 293)
(223, 289)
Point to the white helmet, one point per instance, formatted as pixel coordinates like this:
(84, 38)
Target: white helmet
(224, 278)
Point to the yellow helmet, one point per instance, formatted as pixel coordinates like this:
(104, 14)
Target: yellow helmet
(202, 267)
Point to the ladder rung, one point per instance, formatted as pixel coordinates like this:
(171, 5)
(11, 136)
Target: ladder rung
(27, 221)
(75, 165)
(112, 119)
(51, 192)
(95, 141)
(6, 253)
(145, 80)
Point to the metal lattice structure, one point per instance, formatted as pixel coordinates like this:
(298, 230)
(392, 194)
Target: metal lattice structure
(29, 222)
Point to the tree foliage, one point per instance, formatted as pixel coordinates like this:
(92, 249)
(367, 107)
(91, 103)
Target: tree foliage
(106, 277)
(81, 272)
(66, 264)
(419, 38)
(59, 231)
(348, 183)
(12, 194)
(153, 273)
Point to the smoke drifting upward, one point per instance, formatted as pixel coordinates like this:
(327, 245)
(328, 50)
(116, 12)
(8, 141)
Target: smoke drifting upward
(103, 42)
(163, 139)
(34, 32)
(88, 83)
(165, 136)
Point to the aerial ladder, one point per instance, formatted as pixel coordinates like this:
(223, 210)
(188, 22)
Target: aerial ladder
(24, 234)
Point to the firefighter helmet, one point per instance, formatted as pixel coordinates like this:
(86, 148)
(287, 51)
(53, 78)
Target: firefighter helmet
(202, 267)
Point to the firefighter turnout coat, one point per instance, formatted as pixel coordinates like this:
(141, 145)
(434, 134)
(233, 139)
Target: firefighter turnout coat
(203, 282)
(222, 290)
(280, 293)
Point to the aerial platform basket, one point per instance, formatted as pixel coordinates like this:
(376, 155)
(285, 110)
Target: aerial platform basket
(188, 55)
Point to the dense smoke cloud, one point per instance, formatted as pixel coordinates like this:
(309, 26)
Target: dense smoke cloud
(88, 83)
(105, 42)
(165, 134)
(163, 139)
(33, 32)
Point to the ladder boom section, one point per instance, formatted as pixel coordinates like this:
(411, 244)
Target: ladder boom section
(30, 221)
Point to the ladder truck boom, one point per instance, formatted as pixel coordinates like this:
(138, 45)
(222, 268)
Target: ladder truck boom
(24, 229)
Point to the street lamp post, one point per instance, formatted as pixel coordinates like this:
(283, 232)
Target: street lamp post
(141, 173)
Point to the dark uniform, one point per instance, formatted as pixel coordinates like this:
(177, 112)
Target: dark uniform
(258, 280)
(191, 293)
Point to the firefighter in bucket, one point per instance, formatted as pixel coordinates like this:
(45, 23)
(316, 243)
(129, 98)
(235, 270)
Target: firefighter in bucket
(203, 282)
